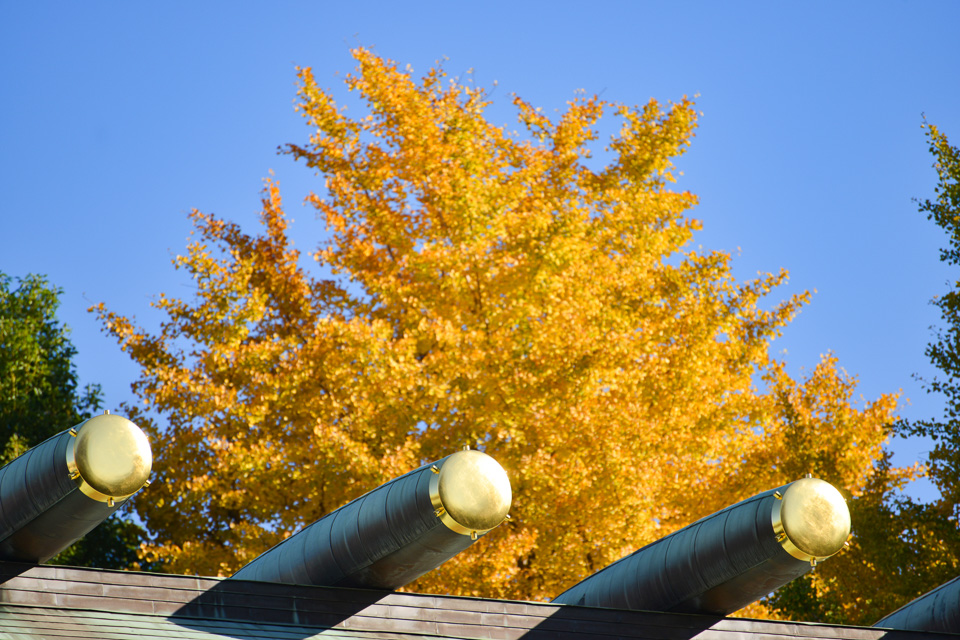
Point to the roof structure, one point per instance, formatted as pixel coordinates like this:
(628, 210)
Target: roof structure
(40, 601)
(57, 491)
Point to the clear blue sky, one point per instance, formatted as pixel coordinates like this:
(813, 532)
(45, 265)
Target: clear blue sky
(118, 118)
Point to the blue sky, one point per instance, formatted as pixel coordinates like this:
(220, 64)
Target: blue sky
(120, 118)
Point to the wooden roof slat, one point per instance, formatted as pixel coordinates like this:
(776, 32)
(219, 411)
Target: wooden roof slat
(62, 602)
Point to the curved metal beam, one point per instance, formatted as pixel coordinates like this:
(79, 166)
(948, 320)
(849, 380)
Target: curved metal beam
(397, 532)
(936, 610)
(56, 492)
(729, 559)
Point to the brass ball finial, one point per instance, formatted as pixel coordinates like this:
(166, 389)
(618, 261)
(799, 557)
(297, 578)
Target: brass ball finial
(814, 518)
(110, 458)
(472, 492)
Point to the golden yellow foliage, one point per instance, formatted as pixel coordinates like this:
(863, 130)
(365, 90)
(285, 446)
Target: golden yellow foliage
(488, 289)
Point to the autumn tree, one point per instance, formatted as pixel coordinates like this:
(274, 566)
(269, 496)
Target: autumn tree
(40, 396)
(486, 288)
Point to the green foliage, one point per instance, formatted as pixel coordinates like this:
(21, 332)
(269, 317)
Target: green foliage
(944, 351)
(38, 382)
(40, 397)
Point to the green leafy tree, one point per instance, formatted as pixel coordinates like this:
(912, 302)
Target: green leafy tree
(944, 351)
(40, 396)
(903, 548)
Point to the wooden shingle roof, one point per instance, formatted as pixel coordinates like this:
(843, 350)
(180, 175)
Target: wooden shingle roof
(61, 602)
